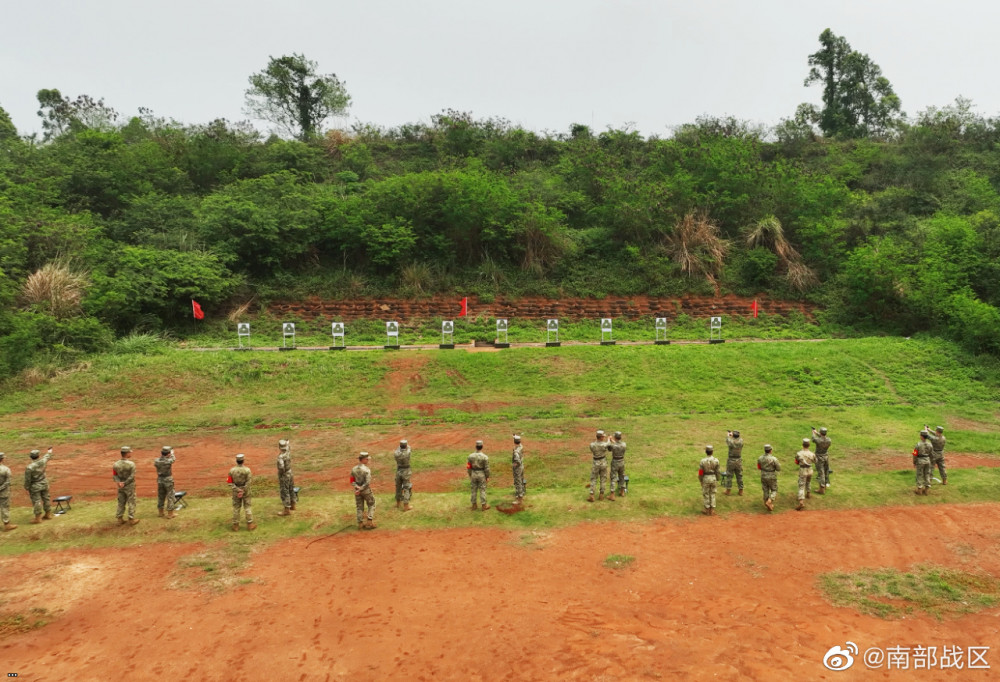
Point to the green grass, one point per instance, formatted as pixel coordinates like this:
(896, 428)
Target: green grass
(892, 594)
(15, 623)
(618, 561)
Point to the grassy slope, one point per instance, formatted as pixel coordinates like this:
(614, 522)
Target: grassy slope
(873, 394)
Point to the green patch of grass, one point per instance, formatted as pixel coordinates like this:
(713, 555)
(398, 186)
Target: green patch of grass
(214, 569)
(889, 593)
(15, 623)
(618, 561)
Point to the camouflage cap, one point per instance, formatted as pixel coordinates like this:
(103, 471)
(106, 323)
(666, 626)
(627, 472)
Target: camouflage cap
(924, 433)
(2, 455)
(363, 455)
(479, 443)
(736, 433)
(768, 448)
(806, 441)
(402, 442)
(709, 448)
(240, 457)
(126, 449)
(600, 432)
(618, 435)
(822, 431)
(517, 438)
(282, 443)
(939, 429)
(166, 450)
(34, 453)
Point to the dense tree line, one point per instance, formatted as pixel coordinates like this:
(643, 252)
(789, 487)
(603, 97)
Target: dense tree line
(889, 223)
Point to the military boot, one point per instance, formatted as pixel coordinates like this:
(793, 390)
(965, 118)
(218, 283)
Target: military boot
(769, 504)
(37, 519)
(9, 526)
(611, 497)
(285, 512)
(740, 492)
(122, 522)
(236, 526)
(171, 515)
(706, 511)
(48, 516)
(917, 492)
(600, 497)
(485, 507)
(372, 525)
(407, 507)
(800, 506)
(398, 504)
(474, 507)
(927, 491)
(161, 513)
(727, 491)
(591, 498)
(808, 493)
(133, 522)
(821, 491)
(293, 506)
(251, 526)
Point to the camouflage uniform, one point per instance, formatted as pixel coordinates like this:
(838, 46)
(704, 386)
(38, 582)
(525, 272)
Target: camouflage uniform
(478, 468)
(937, 441)
(517, 469)
(240, 479)
(708, 474)
(404, 487)
(38, 486)
(361, 480)
(922, 460)
(823, 443)
(805, 459)
(599, 467)
(286, 481)
(124, 472)
(5, 476)
(734, 463)
(165, 481)
(769, 467)
(617, 448)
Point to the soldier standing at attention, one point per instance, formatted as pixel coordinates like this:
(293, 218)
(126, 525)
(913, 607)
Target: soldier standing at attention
(734, 462)
(165, 481)
(517, 467)
(286, 482)
(937, 441)
(123, 473)
(822, 459)
(38, 486)
(404, 488)
(361, 479)
(478, 468)
(805, 459)
(599, 468)
(239, 479)
(708, 475)
(5, 495)
(922, 461)
(617, 448)
(769, 467)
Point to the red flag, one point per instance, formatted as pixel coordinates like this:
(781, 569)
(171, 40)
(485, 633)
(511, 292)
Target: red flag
(465, 307)
(198, 313)
(754, 307)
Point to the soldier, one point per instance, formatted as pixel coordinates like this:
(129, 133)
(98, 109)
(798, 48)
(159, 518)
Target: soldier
(708, 473)
(123, 473)
(240, 478)
(517, 466)
(478, 468)
(404, 488)
(599, 468)
(822, 459)
(165, 481)
(5, 495)
(38, 486)
(805, 459)
(361, 479)
(769, 467)
(922, 462)
(937, 441)
(617, 448)
(734, 461)
(286, 482)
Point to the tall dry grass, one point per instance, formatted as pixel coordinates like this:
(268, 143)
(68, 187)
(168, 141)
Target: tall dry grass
(768, 233)
(55, 287)
(697, 247)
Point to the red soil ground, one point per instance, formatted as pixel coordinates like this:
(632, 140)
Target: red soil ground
(727, 598)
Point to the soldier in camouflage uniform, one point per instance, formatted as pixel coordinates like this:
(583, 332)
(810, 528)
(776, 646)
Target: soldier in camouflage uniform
(123, 473)
(708, 476)
(240, 478)
(165, 481)
(286, 481)
(361, 480)
(922, 462)
(769, 467)
(38, 486)
(517, 469)
(823, 443)
(478, 468)
(734, 461)
(617, 448)
(805, 459)
(404, 488)
(5, 476)
(599, 467)
(937, 441)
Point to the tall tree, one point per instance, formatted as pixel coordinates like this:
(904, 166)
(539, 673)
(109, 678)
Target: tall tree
(292, 95)
(61, 114)
(858, 101)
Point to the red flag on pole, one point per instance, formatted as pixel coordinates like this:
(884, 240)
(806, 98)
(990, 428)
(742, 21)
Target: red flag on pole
(754, 307)
(199, 314)
(465, 307)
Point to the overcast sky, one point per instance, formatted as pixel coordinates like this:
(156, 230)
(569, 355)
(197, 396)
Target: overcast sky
(542, 64)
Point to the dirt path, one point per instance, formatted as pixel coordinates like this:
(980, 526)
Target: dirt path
(730, 598)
